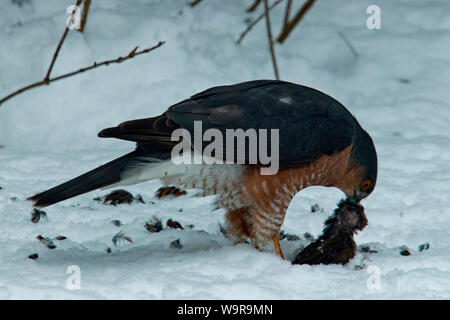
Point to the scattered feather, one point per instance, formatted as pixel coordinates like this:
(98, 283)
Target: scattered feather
(117, 223)
(308, 236)
(118, 197)
(359, 267)
(120, 237)
(46, 242)
(404, 251)
(154, 224)
(139, 198)
(174, 224)
(404, 80)
(38, 215)
(367, 249)
(315, 208)
(33, 256)
(424, 246)
(176, 244)
(169, 191)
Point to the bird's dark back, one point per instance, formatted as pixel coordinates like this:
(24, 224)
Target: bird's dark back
(310, 122)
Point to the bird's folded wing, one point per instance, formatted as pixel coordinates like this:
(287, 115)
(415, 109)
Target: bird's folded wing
(309, 122)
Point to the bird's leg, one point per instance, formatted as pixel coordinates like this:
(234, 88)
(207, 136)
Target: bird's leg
(238, 228)
(276, 244)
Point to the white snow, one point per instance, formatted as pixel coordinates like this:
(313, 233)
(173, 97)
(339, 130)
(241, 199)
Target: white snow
(397, 87)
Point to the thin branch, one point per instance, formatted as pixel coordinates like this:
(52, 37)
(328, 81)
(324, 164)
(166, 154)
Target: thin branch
(84, 15)
(253, 23)
(287, 13)
(133, 53)
(269, 35)
(349, 44)
(61, 41)
(194, 3)
(290, 25)
(253, 6)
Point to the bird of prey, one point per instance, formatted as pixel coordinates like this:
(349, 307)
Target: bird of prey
(320, 144)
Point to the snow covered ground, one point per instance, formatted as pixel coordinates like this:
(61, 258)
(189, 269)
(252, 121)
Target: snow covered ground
(398, 88)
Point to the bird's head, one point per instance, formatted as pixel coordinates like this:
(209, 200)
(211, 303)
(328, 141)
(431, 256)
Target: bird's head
(364, 156)
(349, 217)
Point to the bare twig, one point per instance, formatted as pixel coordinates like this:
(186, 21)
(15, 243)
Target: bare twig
(269, 35)
(349, 44)
(254, 6)
(287, 13)
(133, 53)
(290, 25)
(61, 41)
(194, 3)
(84, 15)
(252, 24)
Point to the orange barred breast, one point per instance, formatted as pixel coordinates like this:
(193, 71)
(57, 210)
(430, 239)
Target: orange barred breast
(262, 200)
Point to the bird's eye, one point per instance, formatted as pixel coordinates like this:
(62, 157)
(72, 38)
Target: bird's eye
(366, 185)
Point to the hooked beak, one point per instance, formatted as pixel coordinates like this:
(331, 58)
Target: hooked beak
(353, 199)
(356, 197)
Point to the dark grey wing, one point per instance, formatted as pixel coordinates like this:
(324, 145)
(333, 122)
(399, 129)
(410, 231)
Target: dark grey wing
(310, 123)
(158, 130)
